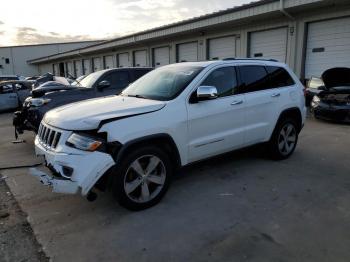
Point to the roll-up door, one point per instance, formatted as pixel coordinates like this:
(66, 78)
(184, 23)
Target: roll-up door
(123, 60)
(187, 52)
(269, 44)
(97, 64)
(108, 62)
(161, 56)
(87, 66)
(328, 45)
(221, 48)
(140, 58)
(78, 68)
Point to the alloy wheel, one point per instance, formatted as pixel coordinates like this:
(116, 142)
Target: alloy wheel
(287, 139)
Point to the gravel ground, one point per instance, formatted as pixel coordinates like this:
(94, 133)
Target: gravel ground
(17, 241)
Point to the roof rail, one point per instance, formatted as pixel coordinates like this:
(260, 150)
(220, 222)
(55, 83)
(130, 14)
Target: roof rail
(259, 59)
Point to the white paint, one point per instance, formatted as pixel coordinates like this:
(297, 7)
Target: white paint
(78, 68)
(333, 37)
(87, 66)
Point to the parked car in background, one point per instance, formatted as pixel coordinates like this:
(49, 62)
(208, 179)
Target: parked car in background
(173, 116)
(101, 83)
(314, 87)
(13, 93)
(333, 101)
(8, 77)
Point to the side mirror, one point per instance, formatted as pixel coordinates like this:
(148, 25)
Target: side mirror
(103, 84)
(206, 93)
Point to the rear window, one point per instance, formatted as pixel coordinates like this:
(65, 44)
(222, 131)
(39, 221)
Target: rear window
(254, 78)
(279, 77)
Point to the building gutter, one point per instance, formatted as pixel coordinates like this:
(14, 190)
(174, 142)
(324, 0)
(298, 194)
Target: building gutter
(284, 12)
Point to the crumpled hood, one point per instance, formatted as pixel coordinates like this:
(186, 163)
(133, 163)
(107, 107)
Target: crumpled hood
(337, 76)
(88, 114)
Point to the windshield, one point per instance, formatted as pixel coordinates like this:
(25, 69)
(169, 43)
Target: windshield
(164, 83)
(90, 79)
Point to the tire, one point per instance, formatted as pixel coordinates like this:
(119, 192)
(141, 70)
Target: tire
(137, 188)
(280, 146)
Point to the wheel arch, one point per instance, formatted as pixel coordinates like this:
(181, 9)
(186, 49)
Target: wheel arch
(162, 140)
(293, 112)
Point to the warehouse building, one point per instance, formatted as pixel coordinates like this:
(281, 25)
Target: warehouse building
(13, 59)
(309, 35)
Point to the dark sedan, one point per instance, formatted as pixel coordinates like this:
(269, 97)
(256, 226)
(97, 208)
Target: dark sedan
(98, 84)
(333, 102)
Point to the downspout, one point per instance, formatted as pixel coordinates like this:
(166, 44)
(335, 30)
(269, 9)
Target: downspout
(283, 11)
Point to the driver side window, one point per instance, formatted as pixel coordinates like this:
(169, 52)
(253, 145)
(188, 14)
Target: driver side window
(224, 79)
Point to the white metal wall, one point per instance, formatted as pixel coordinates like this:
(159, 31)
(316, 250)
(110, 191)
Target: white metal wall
(78, 68)
(87, 66)
(269, 44)
(97, 64)
(328, 45)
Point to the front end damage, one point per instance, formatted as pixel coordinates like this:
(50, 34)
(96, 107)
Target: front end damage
(69, 170)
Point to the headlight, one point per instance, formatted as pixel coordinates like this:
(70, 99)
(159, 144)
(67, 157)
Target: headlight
(36, 102)
(316, 99)
(84, 142)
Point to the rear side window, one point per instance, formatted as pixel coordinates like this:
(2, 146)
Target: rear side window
(139, 73)
(254, 78)
(279, 77)
(117, 80)
(224, 79)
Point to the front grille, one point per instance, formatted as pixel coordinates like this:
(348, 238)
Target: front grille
(48, 136)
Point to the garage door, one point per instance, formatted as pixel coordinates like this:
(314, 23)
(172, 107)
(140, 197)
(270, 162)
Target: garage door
(108, 62)
(140, 58)
(56, 72)
(78, 68)
(221, 48)
(69, 69)
(187, 52)
(270, 44)
(97, 64)
(328, 45)
(123, 60)
(87, 66)
(161, 56)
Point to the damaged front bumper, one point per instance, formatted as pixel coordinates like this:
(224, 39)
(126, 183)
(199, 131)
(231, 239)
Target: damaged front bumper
(71, 170)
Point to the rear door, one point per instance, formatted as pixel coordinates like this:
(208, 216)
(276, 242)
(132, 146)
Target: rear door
(261, 102)
(8, 98)
(217, 126)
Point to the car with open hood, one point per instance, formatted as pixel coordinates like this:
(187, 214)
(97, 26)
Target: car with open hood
(333, 101)
(173, 116)
(47, 96)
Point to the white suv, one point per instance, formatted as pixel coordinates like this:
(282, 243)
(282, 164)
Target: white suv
(169, 118)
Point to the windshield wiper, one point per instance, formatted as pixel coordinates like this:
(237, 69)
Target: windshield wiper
(137, 96)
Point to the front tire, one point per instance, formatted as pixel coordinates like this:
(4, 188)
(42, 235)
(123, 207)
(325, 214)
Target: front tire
(142, 178)
(284, 139)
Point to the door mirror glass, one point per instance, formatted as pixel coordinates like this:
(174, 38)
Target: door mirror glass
(103, 84)
(206, 93)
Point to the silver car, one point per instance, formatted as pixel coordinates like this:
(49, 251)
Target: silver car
(13, 94)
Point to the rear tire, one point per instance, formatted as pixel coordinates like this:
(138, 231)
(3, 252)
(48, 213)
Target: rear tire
(142, 178)
(284, 139)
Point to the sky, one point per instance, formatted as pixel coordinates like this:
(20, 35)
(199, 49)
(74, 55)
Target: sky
(46, 21)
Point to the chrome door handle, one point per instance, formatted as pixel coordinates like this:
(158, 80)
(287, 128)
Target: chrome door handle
(238, 102)
(276, 95)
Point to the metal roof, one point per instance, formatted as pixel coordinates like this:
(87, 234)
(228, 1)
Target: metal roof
(215, 18)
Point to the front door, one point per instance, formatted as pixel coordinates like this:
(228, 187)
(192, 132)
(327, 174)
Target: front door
(217, 126)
